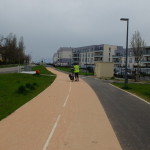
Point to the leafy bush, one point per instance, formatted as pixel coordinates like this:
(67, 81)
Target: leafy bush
(27, 88)
(30, 86)
(21, 89)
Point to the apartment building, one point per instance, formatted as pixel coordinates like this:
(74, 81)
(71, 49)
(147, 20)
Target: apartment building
(55, 58)
(119, 60)
(145, 62)
(88, 55)
(63, 56)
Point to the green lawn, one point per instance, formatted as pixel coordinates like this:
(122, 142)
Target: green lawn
(141, 90)
(16, 89)
(41, 69)
(67, 69)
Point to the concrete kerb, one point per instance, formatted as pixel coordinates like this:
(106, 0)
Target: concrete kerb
(130, 94)
(111, 81)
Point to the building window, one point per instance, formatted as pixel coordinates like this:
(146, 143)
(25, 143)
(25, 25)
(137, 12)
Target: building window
(130, 60)
(82, 59)
(130, 53)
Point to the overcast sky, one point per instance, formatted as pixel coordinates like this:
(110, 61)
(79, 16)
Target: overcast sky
(47, 25)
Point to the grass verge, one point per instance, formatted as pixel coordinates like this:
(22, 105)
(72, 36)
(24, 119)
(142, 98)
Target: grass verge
(42, 70)
(17, 89)
(141, 90)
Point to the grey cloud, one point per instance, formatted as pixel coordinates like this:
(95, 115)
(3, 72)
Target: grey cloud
(47, 25)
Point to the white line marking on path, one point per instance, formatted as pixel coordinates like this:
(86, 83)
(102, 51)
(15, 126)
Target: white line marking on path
(131, 94)
(67, 96)
(56, 123)
(51, 133)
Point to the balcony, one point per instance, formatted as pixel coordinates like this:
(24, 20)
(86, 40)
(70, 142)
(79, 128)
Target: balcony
(115, 56)
(146, 54)
(75, 56)
(116, 62)
(98, 54)
(146, 61)
(98, 59)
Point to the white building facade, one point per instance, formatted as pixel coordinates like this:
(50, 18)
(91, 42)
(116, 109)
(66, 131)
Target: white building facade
(88, 55)
(63, 56)
(119, 60)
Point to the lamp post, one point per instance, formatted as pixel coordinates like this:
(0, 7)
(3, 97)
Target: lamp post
(126, 79)
(70, 60)
(86, 62)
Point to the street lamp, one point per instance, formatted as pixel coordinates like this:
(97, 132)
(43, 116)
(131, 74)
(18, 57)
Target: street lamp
(126, 79)
(70, 60)
(86, 62)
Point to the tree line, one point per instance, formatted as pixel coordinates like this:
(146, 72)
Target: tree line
(13, 51)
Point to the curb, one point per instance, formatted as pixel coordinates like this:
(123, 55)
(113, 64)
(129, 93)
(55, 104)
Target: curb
(130, 93)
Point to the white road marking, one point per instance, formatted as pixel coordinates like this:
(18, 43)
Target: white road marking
(67, 96)
(130, 94)
(56, 123)
(51, 133)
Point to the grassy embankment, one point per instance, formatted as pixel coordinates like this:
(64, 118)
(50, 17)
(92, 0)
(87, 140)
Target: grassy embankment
(16, 89)
(141, 90)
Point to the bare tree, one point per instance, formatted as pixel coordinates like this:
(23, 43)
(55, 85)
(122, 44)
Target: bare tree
(21, 48)
(11, 50)
(27, 59)
(138, 46)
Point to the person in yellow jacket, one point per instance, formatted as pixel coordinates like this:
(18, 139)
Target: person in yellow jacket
(76, 72)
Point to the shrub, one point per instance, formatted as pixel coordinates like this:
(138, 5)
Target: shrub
(22, 89)
(31, 86)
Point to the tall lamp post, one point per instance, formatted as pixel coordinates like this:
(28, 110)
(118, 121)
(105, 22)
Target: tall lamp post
(126, 79)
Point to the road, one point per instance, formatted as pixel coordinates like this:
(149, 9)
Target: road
(129, 116)
(65, 116)
(9, 70)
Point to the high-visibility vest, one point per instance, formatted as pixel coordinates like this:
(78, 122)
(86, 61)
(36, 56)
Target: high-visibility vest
(76, 68)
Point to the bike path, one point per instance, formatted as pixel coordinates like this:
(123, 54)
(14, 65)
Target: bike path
(65, 116)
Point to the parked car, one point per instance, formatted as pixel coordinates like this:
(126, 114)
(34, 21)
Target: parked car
(122, 74)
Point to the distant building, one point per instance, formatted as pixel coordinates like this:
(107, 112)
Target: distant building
(55, 58)
(63, 56)
(89, 55)
(146, 60)
(119, 59)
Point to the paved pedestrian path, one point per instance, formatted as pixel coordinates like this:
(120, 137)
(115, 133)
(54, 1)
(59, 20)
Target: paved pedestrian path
(65, 116)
